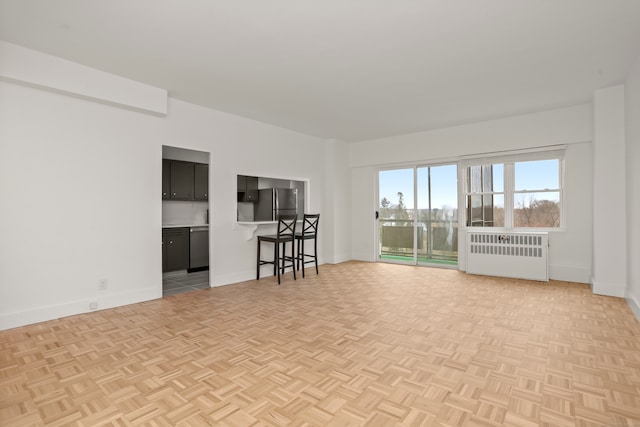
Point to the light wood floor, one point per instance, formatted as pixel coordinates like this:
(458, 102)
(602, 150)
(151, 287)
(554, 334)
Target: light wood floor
(360, 344)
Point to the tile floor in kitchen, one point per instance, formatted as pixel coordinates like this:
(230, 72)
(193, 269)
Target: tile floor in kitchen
(178, 282)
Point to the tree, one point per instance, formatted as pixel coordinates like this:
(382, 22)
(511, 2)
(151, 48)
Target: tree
(401, 210)
(537, 213)
(386, 209)
(524, 213)
(548, 213)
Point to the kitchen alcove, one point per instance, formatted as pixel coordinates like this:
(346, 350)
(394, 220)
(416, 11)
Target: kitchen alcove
(185, 220)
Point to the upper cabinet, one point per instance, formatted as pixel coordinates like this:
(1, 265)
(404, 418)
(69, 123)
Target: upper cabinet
(201, 181)
(166, 179)
(247, 188)
(184, 180)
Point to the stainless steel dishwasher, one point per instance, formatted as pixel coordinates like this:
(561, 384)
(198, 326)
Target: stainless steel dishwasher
(198, 248)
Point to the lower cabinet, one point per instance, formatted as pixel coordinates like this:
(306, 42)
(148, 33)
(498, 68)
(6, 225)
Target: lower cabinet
(199, 248)
(185, 248)
(175, 249)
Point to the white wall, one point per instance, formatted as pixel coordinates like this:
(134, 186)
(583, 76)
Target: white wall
(79, 188)
(46, 71)
(632, 97)
(337, 221)
(609, 194)
(363, 206)
(80, 183)
(570, 252)
(563, 126)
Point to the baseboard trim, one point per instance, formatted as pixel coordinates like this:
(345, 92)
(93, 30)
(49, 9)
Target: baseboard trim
(81, 306)
(339, 259)
(608, 289)
(569, 273)
(229, 279)
(363, 256)
(247, 275)
(634, 305)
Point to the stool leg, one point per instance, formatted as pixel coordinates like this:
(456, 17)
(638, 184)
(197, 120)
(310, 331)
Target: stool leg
(276, 259)
(258, 262)
(275, 252)
(283, 264)
(293, 267)
(298, 255)
(302, 256)
(315, 253)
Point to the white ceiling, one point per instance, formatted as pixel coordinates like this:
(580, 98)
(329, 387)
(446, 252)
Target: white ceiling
(346, 69)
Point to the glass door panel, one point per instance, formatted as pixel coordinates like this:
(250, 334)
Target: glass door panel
(437, 214)
(396, 213)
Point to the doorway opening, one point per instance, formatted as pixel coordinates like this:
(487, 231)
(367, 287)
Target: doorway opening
(185, 220)
(418, 215)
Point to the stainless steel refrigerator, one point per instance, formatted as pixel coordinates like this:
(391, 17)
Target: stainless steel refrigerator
(276, 201)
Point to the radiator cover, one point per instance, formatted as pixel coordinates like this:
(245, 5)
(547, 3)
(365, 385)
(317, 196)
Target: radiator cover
(521, 255)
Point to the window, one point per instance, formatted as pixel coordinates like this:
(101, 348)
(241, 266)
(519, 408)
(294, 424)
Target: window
(518, 191)
(536, 196)
(485, 196)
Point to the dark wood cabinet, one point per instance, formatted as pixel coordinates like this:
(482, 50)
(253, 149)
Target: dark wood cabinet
(247, 183)
(185, 249)
(201, 181)
(175, 249)
(182, 181)
(252, 183)
(166, 179)
(247, 188)
(198, 248)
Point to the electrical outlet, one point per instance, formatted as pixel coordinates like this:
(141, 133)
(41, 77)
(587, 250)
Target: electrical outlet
(93, 305)
(102, 284)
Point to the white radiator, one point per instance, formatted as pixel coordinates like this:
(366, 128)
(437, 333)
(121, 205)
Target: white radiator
(518, 255)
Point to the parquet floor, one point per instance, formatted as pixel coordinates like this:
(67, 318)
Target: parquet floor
(360, 344)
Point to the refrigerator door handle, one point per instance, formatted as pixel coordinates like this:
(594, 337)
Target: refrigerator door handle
(277, 203)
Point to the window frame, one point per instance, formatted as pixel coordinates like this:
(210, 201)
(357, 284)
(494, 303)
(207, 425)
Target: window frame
(468, 195)
(508, 160)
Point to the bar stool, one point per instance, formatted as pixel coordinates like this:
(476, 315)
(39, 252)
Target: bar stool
(309, 231)
(286, 233)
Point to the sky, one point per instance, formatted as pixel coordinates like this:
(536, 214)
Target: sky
(444, 186)
(536, 175)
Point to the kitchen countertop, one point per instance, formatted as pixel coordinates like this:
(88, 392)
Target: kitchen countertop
(256, 222)
(184, 225)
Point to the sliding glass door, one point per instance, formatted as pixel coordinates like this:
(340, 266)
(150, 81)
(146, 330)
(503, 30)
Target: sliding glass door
(418, 215)
(437, 214)
(396, 215)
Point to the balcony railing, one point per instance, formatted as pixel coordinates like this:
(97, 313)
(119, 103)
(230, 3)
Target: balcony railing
(436, 240)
